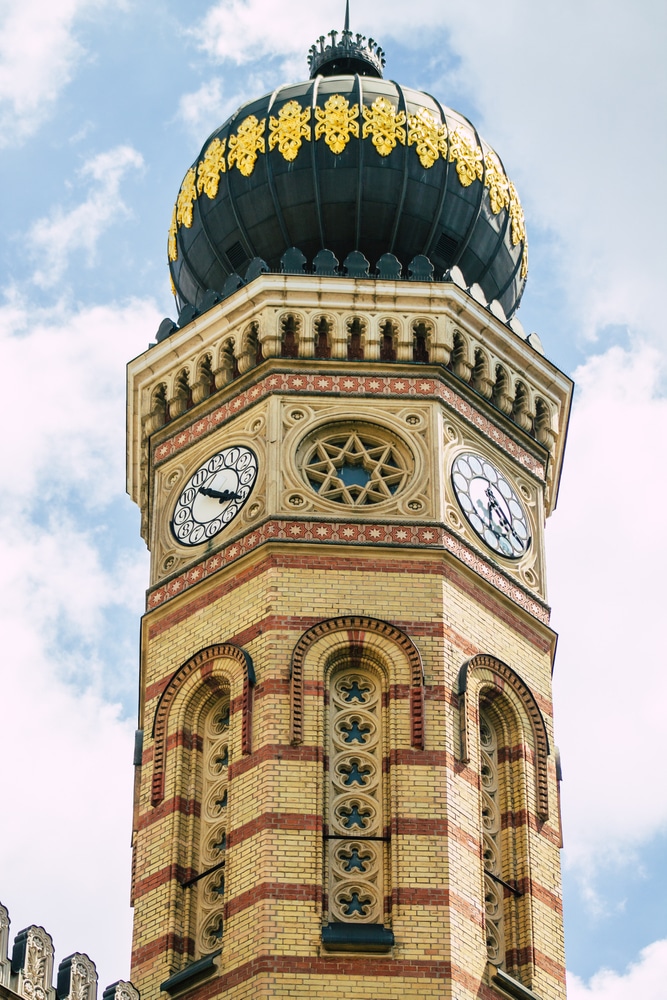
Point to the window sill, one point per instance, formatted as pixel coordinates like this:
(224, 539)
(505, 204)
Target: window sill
(191, 974)
(510, 986)
(357, 937)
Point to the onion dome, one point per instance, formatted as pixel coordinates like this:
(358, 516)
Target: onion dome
(353, 164)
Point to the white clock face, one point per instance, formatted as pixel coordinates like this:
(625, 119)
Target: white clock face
(490, 505)
(214, 495)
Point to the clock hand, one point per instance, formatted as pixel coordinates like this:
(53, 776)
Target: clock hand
(217, 495)
(507, 525)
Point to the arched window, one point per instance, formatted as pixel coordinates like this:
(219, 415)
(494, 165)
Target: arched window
(512, 747)
(491, 809)
(355, 347)
(289, 345)
(504, 835)
(322, 341)
(387, 342)
(202, 725)
(357, 662)
(420, 335)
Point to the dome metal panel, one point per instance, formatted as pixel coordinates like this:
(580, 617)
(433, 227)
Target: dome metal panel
(348, 163)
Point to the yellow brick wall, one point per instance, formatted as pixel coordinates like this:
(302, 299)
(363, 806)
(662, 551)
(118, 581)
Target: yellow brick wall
(272, 945)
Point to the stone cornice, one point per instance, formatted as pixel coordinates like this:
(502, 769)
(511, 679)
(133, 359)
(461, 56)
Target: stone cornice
(461, 330)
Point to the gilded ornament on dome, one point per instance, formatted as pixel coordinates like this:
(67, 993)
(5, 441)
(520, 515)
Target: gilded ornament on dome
(385, 124)
(210, 168)
(289, 129)
(464, 151)
(497, 183)
(516, 216)
(172, 247)
(524, 259)
(336, 121)
(246, 144)
(428, 135)
(186, 199)
(171, 283)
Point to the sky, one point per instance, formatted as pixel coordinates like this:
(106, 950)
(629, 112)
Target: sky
(103, 106)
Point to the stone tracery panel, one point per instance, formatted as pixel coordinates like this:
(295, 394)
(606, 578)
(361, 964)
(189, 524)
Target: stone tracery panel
(355, 812)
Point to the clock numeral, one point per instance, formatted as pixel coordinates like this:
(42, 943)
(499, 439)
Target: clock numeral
(214, 495)
(490, 505)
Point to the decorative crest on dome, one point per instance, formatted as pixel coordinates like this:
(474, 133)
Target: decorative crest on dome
(350, 53)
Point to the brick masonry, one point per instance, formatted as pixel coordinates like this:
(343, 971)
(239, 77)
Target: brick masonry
(266, 618)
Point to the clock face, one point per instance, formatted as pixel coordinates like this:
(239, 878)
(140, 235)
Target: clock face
(490, 505)
(214, 495)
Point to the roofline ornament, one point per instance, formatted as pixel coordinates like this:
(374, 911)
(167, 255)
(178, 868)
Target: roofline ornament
(352, 53)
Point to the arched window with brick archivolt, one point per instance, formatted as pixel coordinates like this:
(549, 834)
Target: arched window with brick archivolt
(357, 694)
(503, 734)
(202, 724)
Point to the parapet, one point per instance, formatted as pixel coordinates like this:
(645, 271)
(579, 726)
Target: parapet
(28, 972)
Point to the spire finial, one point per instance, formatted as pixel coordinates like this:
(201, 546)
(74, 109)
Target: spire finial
(345, 55)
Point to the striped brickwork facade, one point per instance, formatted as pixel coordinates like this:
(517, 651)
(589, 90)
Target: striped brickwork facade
(437, 626)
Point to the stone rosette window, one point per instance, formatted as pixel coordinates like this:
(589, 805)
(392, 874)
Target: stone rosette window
(355, 464)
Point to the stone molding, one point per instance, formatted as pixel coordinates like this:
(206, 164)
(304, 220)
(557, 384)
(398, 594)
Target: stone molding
(355, 628)
(492, 672)
(198, 664)
(356, 386)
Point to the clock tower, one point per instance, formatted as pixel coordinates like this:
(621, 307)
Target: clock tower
(344, 453)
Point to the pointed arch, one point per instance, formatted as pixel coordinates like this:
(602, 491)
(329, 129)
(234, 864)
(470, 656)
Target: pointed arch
(200, 664)
(354, 631)
(497, 674)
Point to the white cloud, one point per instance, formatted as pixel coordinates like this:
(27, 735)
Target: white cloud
(607, 549)
(207, 108)
(38, 54)
(53, 239)
(644, 979)
(66, 746)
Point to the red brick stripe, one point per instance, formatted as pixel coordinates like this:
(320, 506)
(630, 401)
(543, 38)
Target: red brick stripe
(274, 821)
(161, 877)
(159, 947)
(295, 892)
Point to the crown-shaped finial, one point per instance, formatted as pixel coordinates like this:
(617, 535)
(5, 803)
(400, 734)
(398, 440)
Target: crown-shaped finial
(349, 54)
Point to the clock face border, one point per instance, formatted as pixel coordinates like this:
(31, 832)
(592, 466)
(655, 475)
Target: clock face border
(491, 505)
(202, 508)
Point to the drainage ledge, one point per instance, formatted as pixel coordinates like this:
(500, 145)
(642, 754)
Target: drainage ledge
(512, 986)
(191, 974)
(357, 937)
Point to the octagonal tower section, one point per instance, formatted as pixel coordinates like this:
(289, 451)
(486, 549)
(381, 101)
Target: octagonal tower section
(347, 782)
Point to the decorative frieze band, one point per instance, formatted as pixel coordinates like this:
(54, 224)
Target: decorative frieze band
(332, 532)
(346, 385)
